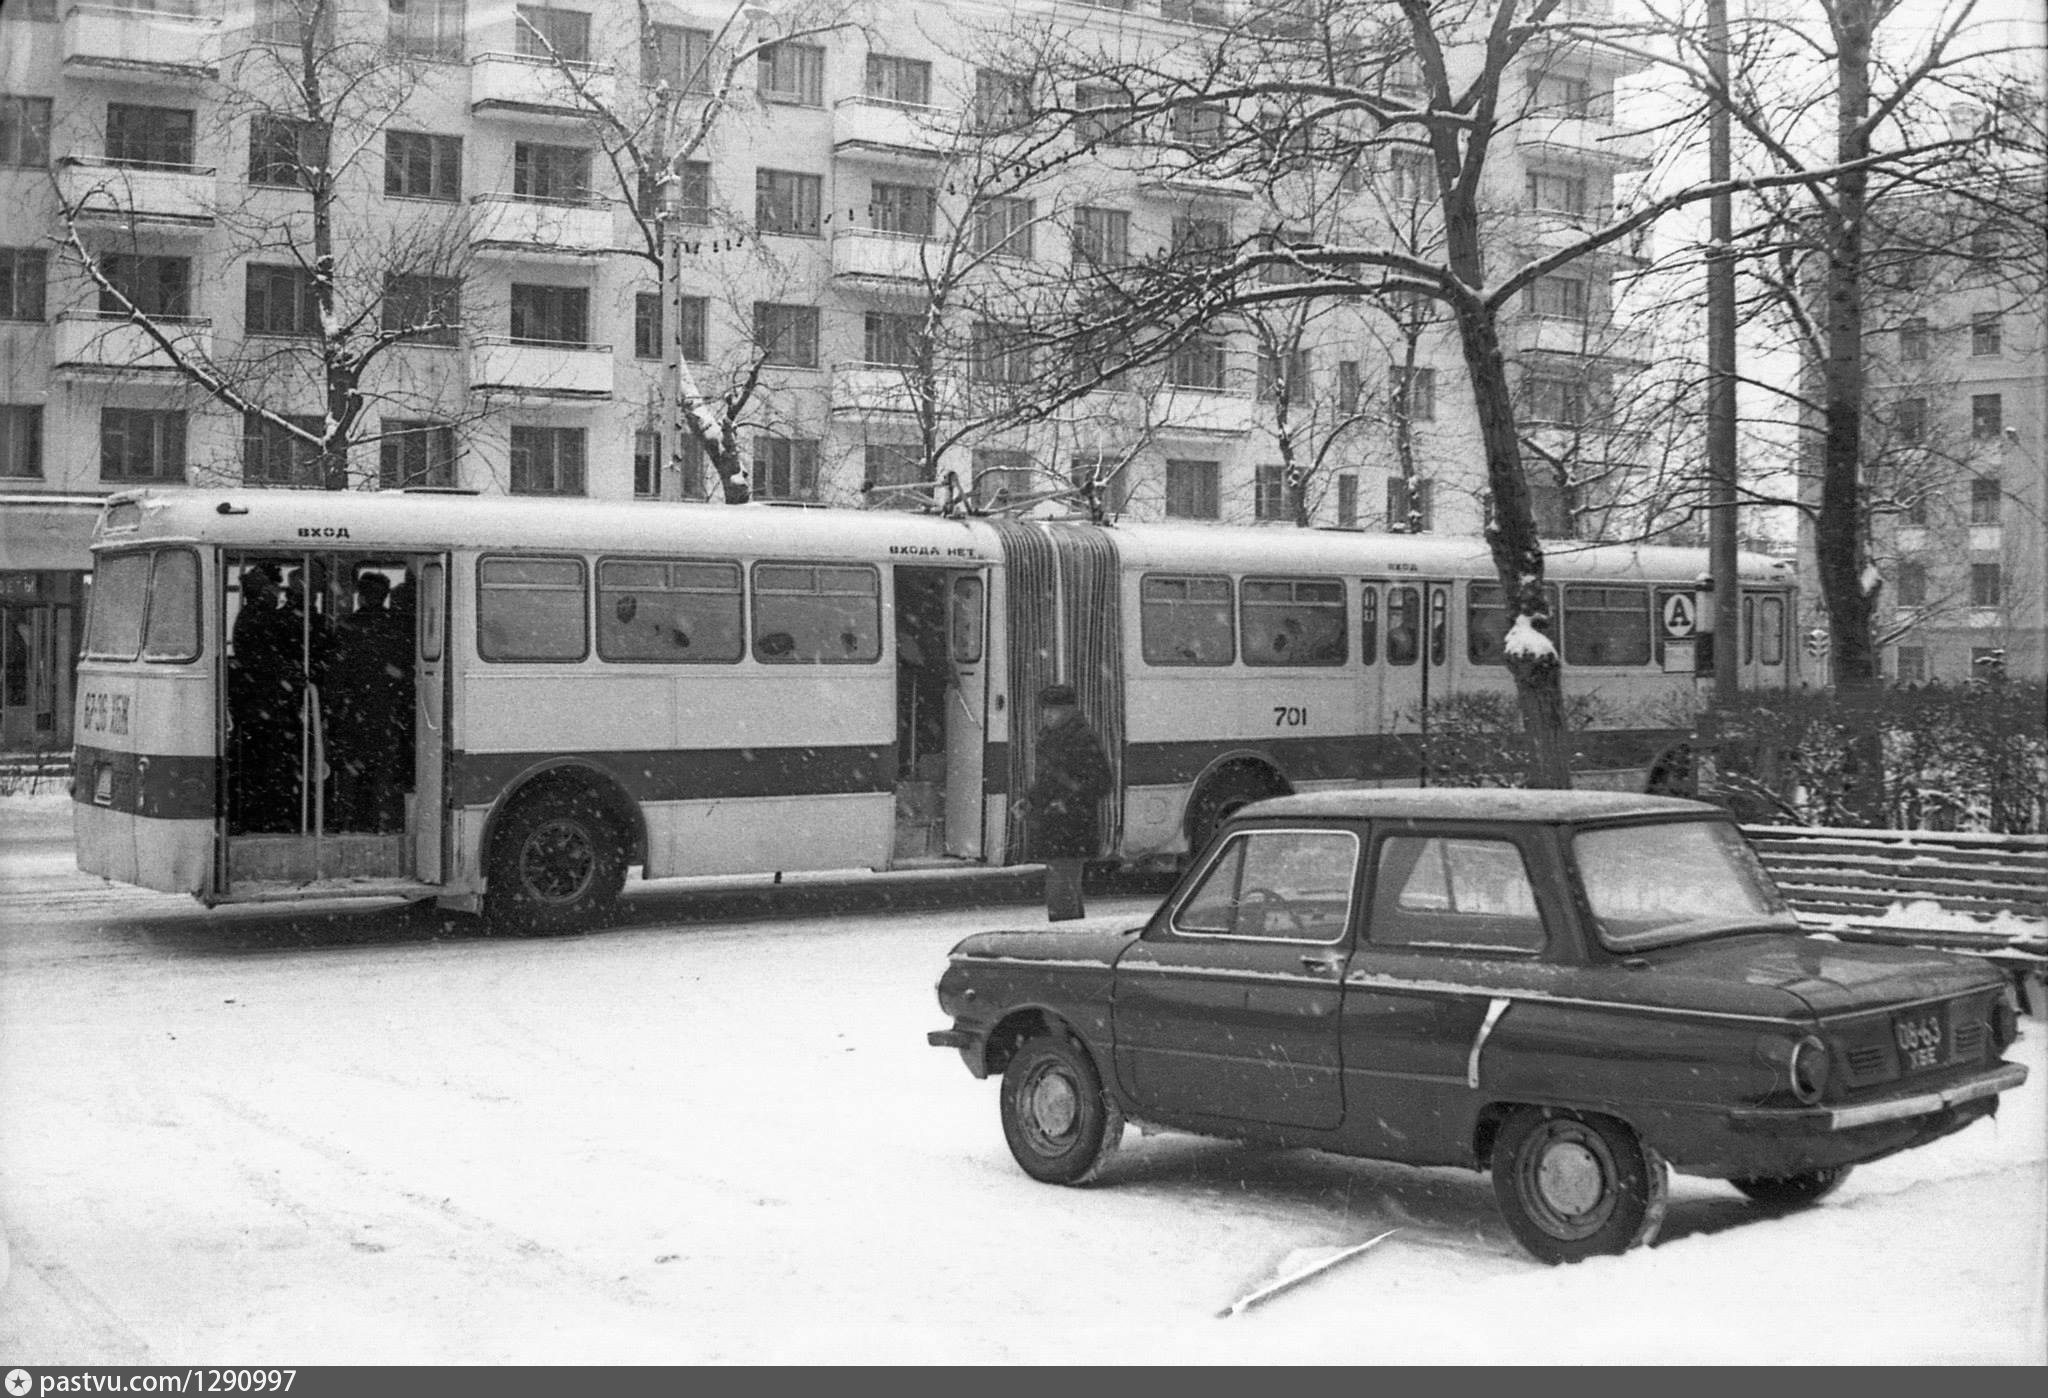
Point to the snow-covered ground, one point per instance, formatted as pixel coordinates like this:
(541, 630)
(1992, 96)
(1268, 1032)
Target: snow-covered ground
(264, 1136)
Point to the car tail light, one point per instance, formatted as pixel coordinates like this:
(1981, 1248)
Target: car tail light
(2005, 1019)
(1809, 1069)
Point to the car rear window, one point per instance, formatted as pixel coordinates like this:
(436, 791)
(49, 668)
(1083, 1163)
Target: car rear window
(1652, 885)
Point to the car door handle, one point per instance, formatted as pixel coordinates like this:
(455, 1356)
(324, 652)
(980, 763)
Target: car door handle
(1328, 965)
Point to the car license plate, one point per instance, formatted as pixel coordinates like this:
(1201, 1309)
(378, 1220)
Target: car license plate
(1919, 1037)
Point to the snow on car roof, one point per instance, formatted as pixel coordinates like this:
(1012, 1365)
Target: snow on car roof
(1475, 803)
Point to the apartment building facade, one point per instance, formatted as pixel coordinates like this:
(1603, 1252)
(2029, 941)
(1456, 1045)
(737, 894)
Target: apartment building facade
(542, 346)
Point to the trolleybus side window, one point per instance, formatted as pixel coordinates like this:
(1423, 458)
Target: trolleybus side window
(668, 611)
(968, 621)
(1606, 626)
(1294, 621)
(173, 632)
(1186, 620)
(1404, 625)
(1770, 634)
(1369, 627)
(1439, 625)
(1486, 622)
(531, 609)
(812, 614)
(120, 588)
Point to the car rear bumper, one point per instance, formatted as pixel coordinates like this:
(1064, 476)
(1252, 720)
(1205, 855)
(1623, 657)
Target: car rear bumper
(1905, 1107)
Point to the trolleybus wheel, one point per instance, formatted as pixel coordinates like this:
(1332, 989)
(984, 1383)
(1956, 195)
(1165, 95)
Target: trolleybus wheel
(556, 866)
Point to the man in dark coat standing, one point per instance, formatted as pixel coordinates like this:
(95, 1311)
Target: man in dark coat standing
(266, 687)
(1072, 778)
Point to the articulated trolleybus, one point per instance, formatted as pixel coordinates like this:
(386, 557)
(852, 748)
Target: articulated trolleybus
(581, 688)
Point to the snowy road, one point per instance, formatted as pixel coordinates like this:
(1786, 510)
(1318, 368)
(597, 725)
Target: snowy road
(264, 1137)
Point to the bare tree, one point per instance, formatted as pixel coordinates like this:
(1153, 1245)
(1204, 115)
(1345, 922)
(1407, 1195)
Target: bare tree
(331, 295)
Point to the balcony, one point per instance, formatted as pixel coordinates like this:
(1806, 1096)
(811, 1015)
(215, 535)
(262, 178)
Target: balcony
(1163, 180)
(95, 342)
(1202, 412)
(147, 45)
(1584, 339)
(875, 128)
(1584, 138)
(883, 260)
(165, 196)
(860, 389)
(510, 223)
(539, 369)
(520, 85)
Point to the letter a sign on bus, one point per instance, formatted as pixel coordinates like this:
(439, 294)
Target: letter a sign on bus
(1678, 615)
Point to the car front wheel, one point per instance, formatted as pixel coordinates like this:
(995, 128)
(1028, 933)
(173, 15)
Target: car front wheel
(1574, 1186)
(1060, 1124)
(1794, 1191)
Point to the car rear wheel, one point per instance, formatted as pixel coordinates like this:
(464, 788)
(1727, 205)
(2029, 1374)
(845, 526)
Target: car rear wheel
(1795, 1191)
(1061, 1126)
(1574, 1186)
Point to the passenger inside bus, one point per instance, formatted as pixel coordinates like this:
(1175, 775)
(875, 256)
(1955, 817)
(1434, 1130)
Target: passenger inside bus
(366, 700)
(266, 691)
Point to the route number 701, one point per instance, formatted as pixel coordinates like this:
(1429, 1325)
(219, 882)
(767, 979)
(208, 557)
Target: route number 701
(1289, 716)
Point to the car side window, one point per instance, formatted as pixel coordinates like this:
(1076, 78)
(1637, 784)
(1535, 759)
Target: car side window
(1454, 892)
(1280, 885)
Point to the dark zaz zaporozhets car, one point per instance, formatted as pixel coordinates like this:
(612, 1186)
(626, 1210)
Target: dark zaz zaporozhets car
(1570, 989)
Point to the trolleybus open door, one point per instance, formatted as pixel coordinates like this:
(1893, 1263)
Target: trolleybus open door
(1406, 647)
(426, 811)
(967, 720)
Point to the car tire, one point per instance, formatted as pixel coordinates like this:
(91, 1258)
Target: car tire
(557, 865)
(1795, 1191)
(1061, 1126)
(1573, 1185)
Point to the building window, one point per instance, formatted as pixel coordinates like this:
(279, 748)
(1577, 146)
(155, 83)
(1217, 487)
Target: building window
(1554, 400)
(284, 22)
(1912, 664)
(546, 32)
(1985, 585)
(1561, 298)
(647, 325)
(1198, 364)
(31, 10)
(155, 286)
(693, 334)
(279, 300)
(1198, 126)
(1909, 421)
(891, 339)
(788, 202)
(903, 80)
(1912, 587)
(911, 209)
(1002, 228)
(21, 441)
(280, 148)
(785, 468)
(887, 464)
(1347, 386)
(150, 137)
(24, 275)
(550, 174)
(681, 58)
(415, 451)
(1987, 416)
(1269, 493)
(1284, 378)
(274, 454)
(1573, 96)
(1097, 121)
(1411, 176)
(551, 315)
(426, 310)
(1410, 511)
(646, 464)
(1347, 501)
(1985, 496)
(1552, 192)
(1913, 341)
(1001, 100)
(998, 353)
(25, 131)
(1205, 240)
(786, 335)
(429, 29)
(1191, 490)
(419, 165)
(793, 73)
(1987, 335)
(1003, 476)
(1102, 237)
(548, 460)
(1414, 393)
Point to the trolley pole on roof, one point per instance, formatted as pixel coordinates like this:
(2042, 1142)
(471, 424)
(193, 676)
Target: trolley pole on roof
(1721, 458)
